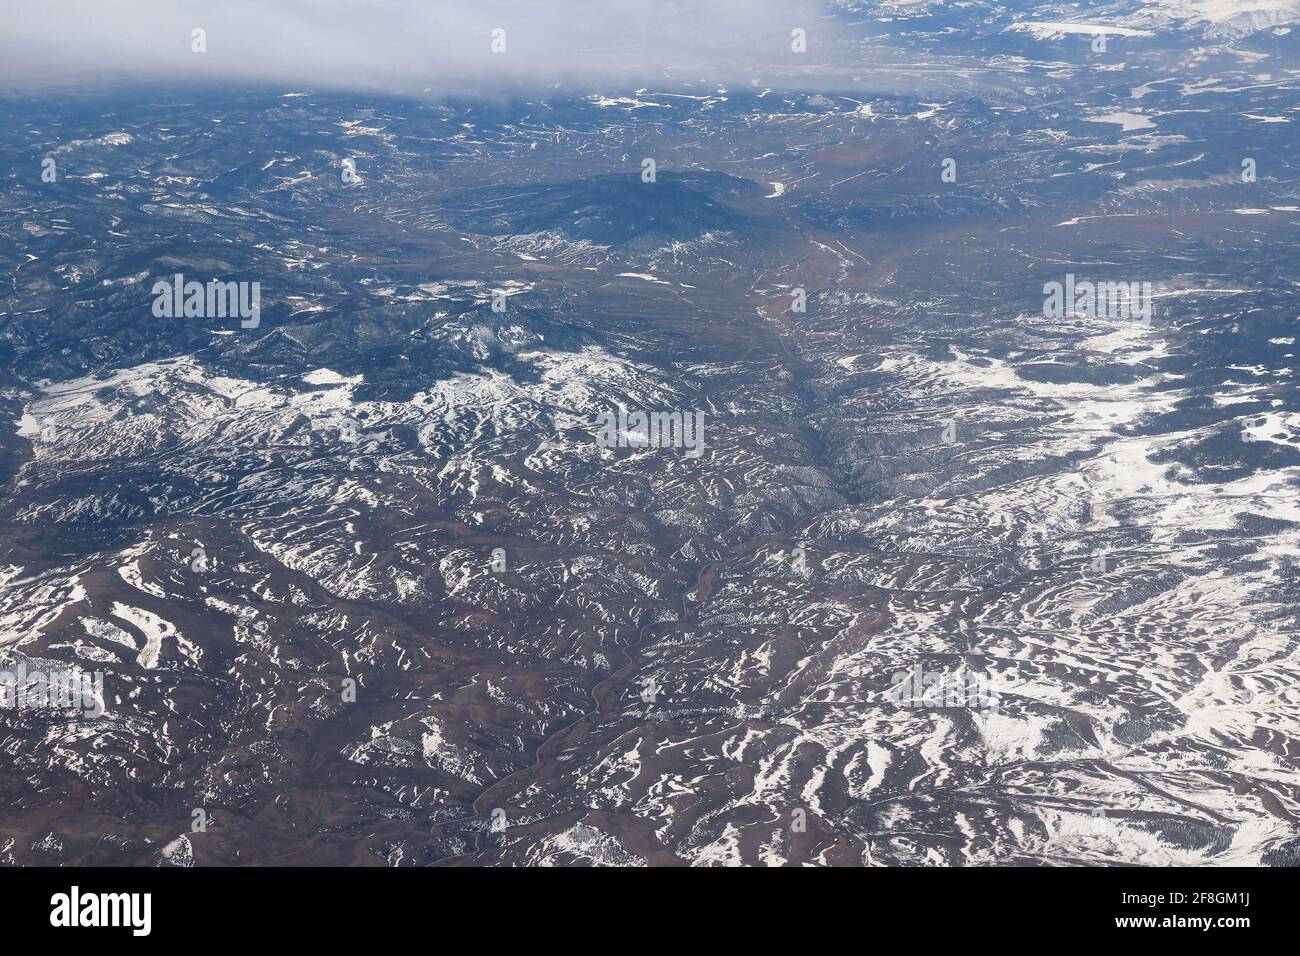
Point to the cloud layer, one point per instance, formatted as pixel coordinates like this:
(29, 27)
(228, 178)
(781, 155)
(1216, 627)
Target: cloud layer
(439, 45)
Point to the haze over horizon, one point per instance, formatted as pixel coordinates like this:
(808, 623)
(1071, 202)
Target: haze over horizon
(354, 44)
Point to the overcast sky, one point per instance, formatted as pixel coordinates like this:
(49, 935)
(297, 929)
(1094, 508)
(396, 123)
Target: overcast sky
(408, 44)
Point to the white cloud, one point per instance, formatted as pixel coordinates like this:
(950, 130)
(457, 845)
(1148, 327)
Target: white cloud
(444, 45)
